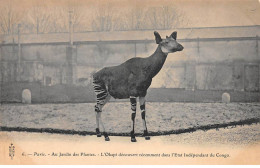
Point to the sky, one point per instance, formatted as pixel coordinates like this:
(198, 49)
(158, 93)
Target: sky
(199, 13)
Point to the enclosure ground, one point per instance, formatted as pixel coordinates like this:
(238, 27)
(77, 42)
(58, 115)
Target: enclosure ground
(162, 118)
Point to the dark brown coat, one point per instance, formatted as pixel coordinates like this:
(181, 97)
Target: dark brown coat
(133, 77)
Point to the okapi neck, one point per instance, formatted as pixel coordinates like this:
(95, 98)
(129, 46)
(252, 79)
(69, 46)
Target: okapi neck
(157, 60)
(158, 54)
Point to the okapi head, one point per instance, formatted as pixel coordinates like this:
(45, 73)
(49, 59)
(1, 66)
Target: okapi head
(168, 45)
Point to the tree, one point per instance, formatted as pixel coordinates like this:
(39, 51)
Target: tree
(130, 19)
(138, 18)
(165, 17)
(103, 18)
(9, 18)
(44, 19)
(39, 18)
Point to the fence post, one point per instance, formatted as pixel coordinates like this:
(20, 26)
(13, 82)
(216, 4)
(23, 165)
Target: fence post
(19, 53)
(195, 77)
(1, 72)
(257, 52)
(244, 76)
(70, 29)
(257, 55)
(135, 49)
(198, 49)
(198, 45)
(69, 66)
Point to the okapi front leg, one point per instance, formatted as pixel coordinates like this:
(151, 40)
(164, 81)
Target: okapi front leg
(133, 108)
(142, 107)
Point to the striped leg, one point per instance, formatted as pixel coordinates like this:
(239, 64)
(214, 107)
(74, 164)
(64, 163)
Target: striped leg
(133, 108)
(97, 123)
(102, 98)
(142, 107)
(103, 127)
(98, 110)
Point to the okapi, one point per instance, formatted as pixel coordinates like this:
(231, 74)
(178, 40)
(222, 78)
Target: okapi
(131, 79)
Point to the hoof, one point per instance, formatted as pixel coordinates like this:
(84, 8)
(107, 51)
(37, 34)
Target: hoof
(147, 138)
(98, 132)
(133, 140)
(107, 139)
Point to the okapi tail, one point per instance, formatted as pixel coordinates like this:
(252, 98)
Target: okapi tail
(100, 91)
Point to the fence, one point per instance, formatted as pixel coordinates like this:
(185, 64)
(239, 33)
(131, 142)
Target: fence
(213, 63)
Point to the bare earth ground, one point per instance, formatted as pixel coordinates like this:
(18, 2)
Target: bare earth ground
(117, 116)
(235, 144)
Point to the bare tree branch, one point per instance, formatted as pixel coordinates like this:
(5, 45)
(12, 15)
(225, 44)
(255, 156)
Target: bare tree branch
(39, 17)
(102, 20)
(9, 18)
(165, 17)
(43, 18)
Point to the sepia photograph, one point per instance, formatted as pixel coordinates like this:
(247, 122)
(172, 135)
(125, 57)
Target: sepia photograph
(129, 82)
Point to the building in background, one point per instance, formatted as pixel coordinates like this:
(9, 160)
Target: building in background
(59, 46)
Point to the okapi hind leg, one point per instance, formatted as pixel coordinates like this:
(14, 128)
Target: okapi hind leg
(133, 108)
(142, 107)
(98, 110)
(102, 98)
(97, 123)
(103, 127)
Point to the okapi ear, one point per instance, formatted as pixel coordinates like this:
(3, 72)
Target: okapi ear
(174, 35)
(158, 38)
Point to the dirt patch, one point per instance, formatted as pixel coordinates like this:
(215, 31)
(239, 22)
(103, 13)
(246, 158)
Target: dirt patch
(162, 118)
